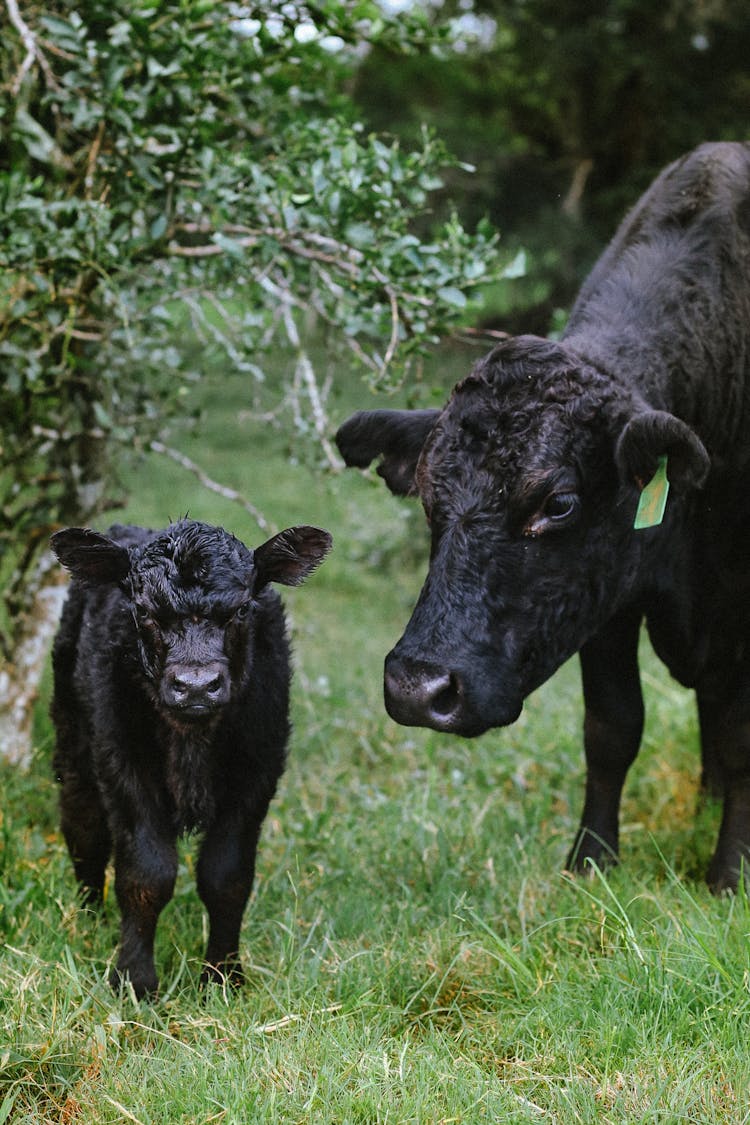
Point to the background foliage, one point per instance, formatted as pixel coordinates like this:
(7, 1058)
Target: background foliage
(193, 163)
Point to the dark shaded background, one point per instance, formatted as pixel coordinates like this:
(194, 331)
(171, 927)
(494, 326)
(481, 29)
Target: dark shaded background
(567, 109)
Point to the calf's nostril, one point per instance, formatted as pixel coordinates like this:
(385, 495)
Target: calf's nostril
(198, 687)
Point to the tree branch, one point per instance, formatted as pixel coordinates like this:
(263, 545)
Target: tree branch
(212, 485)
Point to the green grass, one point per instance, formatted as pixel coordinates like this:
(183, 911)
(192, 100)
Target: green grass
(414, 952)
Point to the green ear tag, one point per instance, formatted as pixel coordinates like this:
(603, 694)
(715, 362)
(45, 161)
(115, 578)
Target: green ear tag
(653, 499)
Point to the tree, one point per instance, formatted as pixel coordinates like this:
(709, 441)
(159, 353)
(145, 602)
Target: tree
(187, 159)
(567, 108)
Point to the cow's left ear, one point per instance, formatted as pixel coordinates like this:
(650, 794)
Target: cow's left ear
(291, 556)
(654, 434)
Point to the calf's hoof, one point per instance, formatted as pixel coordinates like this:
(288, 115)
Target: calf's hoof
(144, 983)
(91, 897)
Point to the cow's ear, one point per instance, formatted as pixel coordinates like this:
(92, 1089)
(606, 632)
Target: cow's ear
(89, 556)
(654, 434)
(291, 556)
(394, 436)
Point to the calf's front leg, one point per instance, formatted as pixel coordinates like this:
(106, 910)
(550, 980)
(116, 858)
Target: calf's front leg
(613, 726)
(145, 874)
(226, 868)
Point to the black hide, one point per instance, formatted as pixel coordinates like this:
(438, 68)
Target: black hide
(530, 478)
(171, 696)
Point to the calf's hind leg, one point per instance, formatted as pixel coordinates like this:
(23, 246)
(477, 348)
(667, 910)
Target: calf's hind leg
(84, 825)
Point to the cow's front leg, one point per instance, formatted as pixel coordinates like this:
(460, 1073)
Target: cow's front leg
(226, 868)
(145, 873)
(725, 735)
(613, 726)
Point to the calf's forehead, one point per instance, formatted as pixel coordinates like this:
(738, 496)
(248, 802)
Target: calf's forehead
(190, 567)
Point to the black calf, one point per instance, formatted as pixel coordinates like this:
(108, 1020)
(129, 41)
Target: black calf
(171, 692)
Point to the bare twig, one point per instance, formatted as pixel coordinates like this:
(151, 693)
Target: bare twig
(306, 373)
(473, 334)
(32, 50)
(212, 485)
(92, 159)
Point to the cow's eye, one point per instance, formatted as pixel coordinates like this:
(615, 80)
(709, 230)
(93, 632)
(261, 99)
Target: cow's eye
(558, 510)
(242, 611)
(561, 505)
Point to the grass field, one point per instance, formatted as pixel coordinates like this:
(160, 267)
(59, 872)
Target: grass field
(414, 952)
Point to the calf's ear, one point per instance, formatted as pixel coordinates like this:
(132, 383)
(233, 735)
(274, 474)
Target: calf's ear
(395, 436)
(654, 434)
(89, 556)
(291, 556)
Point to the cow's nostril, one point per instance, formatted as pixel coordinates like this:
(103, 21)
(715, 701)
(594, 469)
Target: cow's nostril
(421, 694)
(215, 687)
(447, 700)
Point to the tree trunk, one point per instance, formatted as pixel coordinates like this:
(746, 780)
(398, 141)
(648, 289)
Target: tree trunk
(21, 677)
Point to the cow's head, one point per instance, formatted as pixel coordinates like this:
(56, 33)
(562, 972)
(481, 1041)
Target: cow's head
(529, 478)
(193, 592)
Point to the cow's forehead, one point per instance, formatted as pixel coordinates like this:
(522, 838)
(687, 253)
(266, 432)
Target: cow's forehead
(517, 429)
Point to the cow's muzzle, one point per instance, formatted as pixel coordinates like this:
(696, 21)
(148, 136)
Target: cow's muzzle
(195, 691)
(421, 694)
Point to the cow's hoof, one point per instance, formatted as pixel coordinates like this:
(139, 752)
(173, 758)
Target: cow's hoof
(225, 972)
(588, 853)
(724, 876)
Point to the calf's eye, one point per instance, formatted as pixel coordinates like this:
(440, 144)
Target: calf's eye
(143, 618)
(242, 611)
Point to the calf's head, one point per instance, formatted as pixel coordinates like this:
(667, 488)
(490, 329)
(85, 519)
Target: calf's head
(192, 591)
(528, 478)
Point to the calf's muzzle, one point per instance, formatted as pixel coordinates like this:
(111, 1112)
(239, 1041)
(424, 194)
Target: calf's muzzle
(195, 690)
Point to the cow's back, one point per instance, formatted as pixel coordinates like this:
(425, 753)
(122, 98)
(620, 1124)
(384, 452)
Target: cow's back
(712, 180)
(666, 309)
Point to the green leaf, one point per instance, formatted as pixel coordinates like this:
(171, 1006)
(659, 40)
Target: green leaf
(452, 296)
(158, 227)
(360, 234)
(516, 268)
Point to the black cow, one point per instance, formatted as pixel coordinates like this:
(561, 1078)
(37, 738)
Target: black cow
(171, 692)
(530, 478)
